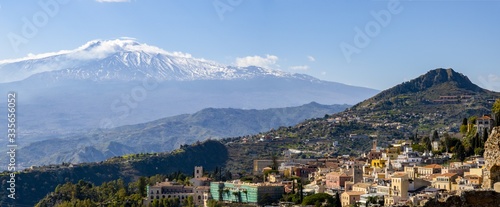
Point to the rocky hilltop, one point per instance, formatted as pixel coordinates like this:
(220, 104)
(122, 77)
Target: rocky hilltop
(492, 159)
(469, 199)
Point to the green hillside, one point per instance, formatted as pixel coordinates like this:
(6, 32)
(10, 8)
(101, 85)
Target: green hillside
(33, 185)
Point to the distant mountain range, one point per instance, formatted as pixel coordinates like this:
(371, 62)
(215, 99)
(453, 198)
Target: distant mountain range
(110, 83)
(168, 133)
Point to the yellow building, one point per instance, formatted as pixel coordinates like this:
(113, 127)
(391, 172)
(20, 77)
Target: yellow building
(475, 171)
(350, 197)
(399, 189)
(400, 185)
(429, 169)
(444, 181)
(362, 187)
(378, 163)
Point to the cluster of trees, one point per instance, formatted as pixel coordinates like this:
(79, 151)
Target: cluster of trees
(472, 143)
(496, 112)
(172, 202)
(113, 193)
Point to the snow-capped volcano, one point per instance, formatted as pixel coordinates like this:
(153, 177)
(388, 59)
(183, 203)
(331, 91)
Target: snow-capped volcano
(125, 59)
(102, 84)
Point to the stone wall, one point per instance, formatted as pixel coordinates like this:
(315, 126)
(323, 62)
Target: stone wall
(492, 159)
(469, 199)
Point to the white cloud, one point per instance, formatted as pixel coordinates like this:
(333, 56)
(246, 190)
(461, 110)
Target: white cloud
(491, 82)
(300, 67)
(311, 58)
(266, 62)
(112, 1)
(97, 49)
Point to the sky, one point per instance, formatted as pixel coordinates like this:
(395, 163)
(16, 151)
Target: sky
(370, 43)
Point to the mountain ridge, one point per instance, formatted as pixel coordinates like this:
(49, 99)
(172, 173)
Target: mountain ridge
(168, 133)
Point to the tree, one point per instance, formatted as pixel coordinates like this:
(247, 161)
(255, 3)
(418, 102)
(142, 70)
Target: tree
(460, 154)
(435, 136)
(478, 151)
(485, 135)
(189, 202)
(338, 203)
(141, 186)
(213, 203)
(427, 143)
(472, 119)
(318, 197)
(495, 110)
(465, 126)
(417, 148)
(371, 200)
(465, 121)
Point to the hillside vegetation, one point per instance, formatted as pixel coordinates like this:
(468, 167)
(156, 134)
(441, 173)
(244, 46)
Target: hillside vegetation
(33, 185)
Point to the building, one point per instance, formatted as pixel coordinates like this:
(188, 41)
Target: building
(350, 197)
(484, 122)
(168, 190)
(201, 195)
(362, 187)
(239, 192)
(336, 180)
(378, 163)
(429, 170)
(400, 185)
(411, 171)
(444, 181)
(398, 190)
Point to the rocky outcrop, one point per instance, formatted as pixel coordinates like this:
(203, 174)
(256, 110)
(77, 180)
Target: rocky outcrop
(469, 199)
(492, 159)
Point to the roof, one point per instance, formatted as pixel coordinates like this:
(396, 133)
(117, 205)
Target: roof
(202, 179)
(448, 174)
(354, 193)
(338, 174)
(398, 175)
(433, 166)
(484, 117)
(362, 185)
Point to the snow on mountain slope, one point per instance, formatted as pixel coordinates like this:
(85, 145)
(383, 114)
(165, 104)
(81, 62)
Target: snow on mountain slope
(126, 59)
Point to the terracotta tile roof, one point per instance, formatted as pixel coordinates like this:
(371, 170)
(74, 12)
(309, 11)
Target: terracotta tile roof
(448, 174)
(351, 193)
(398, 175)
(433, 166)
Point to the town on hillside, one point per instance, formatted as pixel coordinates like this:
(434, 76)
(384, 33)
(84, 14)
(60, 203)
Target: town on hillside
(434, 171)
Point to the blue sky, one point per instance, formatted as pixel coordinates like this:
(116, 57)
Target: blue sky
(402, 39)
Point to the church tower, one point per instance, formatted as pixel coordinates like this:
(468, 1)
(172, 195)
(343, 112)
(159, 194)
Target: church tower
(198, 171)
